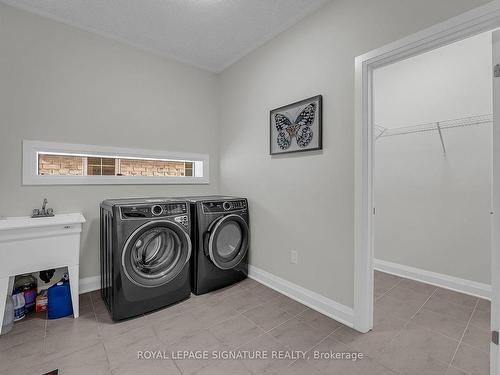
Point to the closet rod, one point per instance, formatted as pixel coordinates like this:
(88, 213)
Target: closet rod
(381, 131)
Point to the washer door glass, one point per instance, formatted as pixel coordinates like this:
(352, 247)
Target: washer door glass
(156, 253)
(228, 241)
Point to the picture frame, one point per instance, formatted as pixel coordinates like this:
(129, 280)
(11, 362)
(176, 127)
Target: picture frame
(296, 127)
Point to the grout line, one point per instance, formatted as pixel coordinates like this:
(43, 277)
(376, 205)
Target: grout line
(440, 333)
(282, 323)
(45, 331)
(93, 308)
(264, 331)
(421, 306)
(463, 335)
(286, 321)
(327, 336)
(95, 315)
(364, 354)
(388, 290)
(269, 330)
(409, 320)
(294, 316)
(459, 369)
(433, 312)
(99, 331)
(315, 345)
(241, 313)
(155, 333)
(319, 343)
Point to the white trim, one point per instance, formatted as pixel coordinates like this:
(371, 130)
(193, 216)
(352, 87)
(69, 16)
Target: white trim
(32, 148)
(495, 210)
(457, 284)
(468, 24)
(89, 284)
(315, 301)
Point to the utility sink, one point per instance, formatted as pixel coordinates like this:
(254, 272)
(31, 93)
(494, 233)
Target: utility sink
(36, 244)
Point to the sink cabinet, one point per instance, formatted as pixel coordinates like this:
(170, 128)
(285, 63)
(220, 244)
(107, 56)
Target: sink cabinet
(36, 244)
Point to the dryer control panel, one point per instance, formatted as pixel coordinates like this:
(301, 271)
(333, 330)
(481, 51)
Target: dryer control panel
(224, 206)
(153, 210)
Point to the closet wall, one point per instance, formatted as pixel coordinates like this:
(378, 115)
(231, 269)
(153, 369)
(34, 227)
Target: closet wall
(433, 210)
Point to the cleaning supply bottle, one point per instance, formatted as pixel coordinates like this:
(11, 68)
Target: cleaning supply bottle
(28, 285)
(19, 303)
(8, 318)
(59, 300)
(42, 302)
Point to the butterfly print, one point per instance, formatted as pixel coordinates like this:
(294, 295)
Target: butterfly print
(300, 129)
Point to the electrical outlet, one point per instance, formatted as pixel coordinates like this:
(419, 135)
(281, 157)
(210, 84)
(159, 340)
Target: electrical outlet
(294, 257)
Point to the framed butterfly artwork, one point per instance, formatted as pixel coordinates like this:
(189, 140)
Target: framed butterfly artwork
(297, 127)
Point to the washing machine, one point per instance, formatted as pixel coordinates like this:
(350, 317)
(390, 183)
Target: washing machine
(221, 240)
(145, 254)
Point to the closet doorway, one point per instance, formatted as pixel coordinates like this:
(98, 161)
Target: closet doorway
(432, 166)
(469, 24)
(432, 194)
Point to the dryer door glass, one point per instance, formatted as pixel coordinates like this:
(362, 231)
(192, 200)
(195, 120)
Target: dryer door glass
(228, 241)
(156, 253)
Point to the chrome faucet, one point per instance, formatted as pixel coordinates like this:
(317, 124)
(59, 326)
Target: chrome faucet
(44, 212)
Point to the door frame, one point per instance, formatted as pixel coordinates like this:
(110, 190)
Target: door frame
(473, 22)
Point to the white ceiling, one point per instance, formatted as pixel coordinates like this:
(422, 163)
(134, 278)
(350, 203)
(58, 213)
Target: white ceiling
(210, 34)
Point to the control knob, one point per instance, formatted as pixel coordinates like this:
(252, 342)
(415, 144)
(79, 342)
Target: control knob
(156, 210)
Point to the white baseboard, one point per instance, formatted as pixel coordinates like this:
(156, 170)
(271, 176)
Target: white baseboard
(472, 288)
(89, 284)
(315, 301)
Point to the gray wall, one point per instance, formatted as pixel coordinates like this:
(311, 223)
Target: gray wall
(305, 202)
(433, 211)
(64, 85)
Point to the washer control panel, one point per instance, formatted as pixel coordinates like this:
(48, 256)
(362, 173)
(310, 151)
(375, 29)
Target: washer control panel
(224, 206)
(154, 210)
(183, 220)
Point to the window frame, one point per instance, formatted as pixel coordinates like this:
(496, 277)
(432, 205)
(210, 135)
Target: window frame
(31, 149)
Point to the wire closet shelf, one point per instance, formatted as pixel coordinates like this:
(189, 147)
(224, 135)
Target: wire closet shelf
(381, 131)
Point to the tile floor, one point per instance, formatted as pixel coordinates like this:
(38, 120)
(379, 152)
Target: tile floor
(419, 329)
